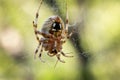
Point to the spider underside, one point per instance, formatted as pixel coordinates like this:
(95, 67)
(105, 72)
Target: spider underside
(54, 35)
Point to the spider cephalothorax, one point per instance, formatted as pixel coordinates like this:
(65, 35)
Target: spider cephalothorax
(57, 26)
(54, 35)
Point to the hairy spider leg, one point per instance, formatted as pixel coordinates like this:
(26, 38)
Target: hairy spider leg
(36, 33)
(67, 23)
(65, 54)
(41, 50)
(35, 22)
(36, 51)
(58, 57)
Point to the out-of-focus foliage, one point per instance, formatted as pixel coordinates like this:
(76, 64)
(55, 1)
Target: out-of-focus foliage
(102, 24)
(100, 38)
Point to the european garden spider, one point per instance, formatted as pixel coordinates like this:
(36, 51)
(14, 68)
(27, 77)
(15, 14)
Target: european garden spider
(54, 35)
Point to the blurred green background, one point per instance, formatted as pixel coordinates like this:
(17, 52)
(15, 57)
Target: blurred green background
(95, 45)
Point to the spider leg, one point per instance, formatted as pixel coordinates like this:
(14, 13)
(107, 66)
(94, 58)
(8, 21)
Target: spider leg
(35, 22)
(35, 28)
(58, 57)
(36, 51)
(69, 35)
(40, 54)
(65, 54)
(67, 22)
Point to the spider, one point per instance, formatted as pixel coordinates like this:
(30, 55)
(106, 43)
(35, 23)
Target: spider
(54, 35)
